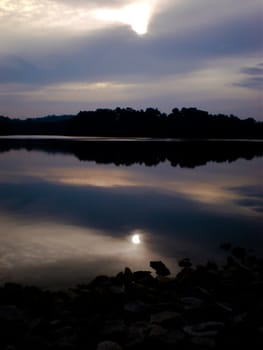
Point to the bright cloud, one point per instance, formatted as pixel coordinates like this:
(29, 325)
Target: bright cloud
(136, 15)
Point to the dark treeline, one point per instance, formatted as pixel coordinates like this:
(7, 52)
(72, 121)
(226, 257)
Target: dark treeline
(127, 122)
(187, 154)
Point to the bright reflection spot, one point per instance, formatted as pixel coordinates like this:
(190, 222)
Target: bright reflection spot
(136, 15)
(136, 239)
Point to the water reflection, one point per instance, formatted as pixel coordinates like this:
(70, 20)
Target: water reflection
(136, 239)
(64, 221)
(187, 154)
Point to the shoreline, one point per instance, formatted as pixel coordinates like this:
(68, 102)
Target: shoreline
(202, 307)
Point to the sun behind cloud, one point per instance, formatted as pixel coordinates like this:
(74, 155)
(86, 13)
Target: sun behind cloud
(136, 15)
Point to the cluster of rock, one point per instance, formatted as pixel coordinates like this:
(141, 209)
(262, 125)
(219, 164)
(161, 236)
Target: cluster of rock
(203, 307)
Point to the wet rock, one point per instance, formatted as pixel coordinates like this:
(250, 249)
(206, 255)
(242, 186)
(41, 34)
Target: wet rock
(160, 268)
(108, 345)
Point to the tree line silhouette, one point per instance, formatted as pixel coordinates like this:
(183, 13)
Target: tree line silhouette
(128, 122)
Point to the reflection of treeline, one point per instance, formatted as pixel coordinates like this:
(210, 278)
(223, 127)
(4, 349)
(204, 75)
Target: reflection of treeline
(183, 153)
(127, 122)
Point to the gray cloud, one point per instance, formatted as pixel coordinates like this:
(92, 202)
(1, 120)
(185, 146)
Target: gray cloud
(121, 55)
(253, 77)
(253, 70)
(251, 83)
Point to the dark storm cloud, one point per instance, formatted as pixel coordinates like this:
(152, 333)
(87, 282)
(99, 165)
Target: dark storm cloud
(122, 55)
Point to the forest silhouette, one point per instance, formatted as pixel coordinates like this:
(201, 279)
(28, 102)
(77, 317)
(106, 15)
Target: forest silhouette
(190, 123)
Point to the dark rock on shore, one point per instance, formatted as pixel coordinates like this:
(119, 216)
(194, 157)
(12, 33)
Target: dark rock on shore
(160, 268)
(203, 307)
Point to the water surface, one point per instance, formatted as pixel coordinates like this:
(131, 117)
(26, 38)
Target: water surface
(68, 212)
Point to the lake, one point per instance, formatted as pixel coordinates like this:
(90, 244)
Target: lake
(72, 208)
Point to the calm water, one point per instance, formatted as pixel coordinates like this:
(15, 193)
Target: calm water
(64, 221)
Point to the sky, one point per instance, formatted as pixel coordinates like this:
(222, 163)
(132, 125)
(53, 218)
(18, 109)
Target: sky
(63, 56)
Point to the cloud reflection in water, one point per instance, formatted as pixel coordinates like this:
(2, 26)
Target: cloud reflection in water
(59, 232)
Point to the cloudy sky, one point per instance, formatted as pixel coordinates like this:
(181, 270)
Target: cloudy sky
(62, 56)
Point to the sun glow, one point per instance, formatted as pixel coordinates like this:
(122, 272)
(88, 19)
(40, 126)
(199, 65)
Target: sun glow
(136, 15)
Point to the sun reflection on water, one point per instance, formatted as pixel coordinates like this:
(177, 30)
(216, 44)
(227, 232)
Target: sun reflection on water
(136, 239)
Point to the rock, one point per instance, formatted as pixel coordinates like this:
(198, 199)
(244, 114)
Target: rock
(113, 330)
(239, 253)
(117, 290)
(163, 279)
(184, 263)
(203, 293)
(205, 329)
(224, 307)
(240, 318)
(204, 342)
(136, 335)
(100, 281)
(140, 275)
(191, 303)
(128, 272)
(173, 337)
(108, 345)
(156, 331)
(36, 342)
(160, 268)
(12, 322)
(166, 318)
(119, 278)
(63, 332)
(134, 308)
(210, 265)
